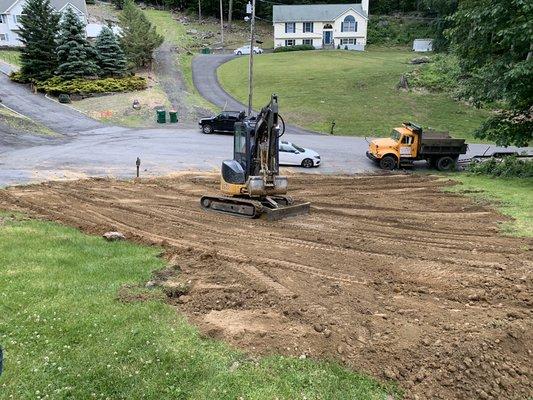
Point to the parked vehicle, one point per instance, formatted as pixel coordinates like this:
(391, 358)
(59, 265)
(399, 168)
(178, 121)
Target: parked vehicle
(291, 154)
(246, 50)
(223, 122)
(408, 144)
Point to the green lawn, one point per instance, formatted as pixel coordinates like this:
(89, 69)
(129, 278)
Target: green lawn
(21, 124)
(10, 56)
(356, 90)
(67, 336)
(511, 196)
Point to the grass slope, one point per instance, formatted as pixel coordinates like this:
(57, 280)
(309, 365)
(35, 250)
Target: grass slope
(356, 90)
(18, 124)
(512, 197)
(66, 336)
(10, 56)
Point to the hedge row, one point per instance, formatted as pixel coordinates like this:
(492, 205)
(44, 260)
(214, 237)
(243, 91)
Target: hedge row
(294, 48)
(56, 86)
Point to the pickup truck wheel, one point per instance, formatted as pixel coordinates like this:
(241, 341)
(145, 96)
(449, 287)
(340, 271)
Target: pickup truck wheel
(207, 129)
(307, 163)
(445, 163)
(387, 162)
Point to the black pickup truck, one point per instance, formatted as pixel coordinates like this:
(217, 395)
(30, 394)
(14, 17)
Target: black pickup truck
(223, 122)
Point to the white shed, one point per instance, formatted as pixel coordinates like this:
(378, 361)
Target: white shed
(423, 45)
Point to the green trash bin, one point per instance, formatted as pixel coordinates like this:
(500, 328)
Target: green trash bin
(173, 115)
(161, 116)
(206, 50)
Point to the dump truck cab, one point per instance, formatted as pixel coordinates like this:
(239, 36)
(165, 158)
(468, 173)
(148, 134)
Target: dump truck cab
(408, 143)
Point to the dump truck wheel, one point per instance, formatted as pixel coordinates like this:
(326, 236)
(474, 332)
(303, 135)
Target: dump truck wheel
(445, 163)
(387, 162)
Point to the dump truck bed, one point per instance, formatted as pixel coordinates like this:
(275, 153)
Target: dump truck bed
(441, 143)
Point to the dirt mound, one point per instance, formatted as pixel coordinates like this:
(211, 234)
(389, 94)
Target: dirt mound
(388, 274)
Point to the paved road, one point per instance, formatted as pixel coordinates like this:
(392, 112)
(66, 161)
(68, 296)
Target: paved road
(204, 75)
(55, 116)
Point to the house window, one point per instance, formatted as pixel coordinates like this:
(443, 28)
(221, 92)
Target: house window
(307, 41)
(3, 37)
(349, 24)
(290, 27)
(3, 18)
(16, 18)
(308, 27)
(290, 42)
(349, 41)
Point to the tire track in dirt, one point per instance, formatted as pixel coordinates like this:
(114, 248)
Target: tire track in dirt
(388, 275)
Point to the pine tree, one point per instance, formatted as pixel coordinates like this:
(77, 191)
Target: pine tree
(139, 37)
(39, 26)
(77, 58)
(111, 59)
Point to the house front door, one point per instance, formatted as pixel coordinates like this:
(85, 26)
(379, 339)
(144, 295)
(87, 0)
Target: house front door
(327, 37)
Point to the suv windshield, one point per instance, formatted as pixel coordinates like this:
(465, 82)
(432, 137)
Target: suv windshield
(395, 135)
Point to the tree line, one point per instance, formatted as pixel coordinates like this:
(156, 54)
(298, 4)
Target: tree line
(56, 44)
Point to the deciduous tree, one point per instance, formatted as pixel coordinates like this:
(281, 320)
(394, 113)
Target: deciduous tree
(494, 42)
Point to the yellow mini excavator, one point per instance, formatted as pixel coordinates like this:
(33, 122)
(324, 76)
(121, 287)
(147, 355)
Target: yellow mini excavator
(251, 181)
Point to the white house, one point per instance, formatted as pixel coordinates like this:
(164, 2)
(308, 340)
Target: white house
(11, 10)
(321, 25)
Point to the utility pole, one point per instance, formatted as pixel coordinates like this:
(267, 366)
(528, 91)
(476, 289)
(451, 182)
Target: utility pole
(221, 24)
(251, 63)
(199, 10)
(230, 14)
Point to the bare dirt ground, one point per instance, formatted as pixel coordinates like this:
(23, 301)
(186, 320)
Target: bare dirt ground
(388, 275)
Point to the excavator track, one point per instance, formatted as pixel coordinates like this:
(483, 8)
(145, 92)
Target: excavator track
(274, 209)
(233, 206)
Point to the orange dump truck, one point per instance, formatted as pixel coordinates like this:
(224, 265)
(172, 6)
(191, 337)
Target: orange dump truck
(409, 143)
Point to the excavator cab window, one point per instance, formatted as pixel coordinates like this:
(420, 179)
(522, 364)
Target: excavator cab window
(239, 145)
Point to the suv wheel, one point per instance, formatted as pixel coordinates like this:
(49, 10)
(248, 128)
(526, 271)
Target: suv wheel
(207, 129)
(239, 53)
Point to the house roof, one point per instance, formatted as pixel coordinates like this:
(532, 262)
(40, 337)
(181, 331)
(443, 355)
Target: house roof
(313, 12)
(93, 30)
(57, 5)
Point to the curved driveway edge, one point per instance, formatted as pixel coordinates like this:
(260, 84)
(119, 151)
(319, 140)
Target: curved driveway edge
(55, 116)
(204, 76)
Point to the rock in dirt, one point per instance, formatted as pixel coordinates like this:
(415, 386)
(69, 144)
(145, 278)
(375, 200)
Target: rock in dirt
(420, 60)
(318, 327)
(113, 236)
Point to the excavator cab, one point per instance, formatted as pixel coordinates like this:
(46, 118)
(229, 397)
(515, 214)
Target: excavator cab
(251, 179)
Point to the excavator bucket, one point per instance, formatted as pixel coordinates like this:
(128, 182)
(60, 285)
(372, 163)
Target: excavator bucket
(275, 214)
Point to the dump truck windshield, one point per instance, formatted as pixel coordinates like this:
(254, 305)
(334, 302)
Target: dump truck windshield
(395, 135)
